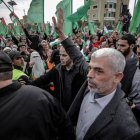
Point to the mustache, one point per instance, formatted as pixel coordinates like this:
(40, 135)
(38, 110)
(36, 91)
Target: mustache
(92, 82)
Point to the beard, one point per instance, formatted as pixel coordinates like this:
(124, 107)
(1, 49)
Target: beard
(126, 52)
(99, 88)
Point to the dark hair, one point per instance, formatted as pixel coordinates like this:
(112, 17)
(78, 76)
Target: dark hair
(130, 39)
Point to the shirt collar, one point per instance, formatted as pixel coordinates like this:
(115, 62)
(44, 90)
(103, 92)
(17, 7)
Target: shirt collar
(103, 101)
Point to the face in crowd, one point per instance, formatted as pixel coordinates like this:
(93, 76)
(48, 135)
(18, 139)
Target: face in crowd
(18, 61)
(124, 47)
(64, 57)
(45, 45)
(102, 76)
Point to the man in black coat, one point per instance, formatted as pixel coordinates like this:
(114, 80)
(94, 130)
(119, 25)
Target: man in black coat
(99, 110)
(131, 80)
(66, 77)
(28, 112)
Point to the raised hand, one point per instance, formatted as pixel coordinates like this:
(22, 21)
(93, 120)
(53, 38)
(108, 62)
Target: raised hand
(58, 25)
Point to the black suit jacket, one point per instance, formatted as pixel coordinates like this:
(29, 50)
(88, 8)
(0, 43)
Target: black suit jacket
(129, 72)
(115, 122)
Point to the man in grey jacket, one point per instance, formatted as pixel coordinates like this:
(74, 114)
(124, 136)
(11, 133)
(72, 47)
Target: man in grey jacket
(99, 110)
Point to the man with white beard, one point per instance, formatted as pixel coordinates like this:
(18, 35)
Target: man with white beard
(100, 111)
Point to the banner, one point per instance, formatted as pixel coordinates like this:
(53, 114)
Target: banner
(3, 29)
(135, 22)
(13, 17)
(66, 6)
(81, 12)
(35, 12)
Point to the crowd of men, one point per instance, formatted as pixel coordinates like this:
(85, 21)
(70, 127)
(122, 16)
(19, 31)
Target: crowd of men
(83, 87)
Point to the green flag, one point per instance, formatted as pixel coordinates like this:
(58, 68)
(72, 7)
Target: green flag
(66, 6)
(135, 19)
(3, 29)
(35, 12)
(138, 30)
(119, 27)
(81, 12)
(48, 28)
(17, 30)
(0, 1)
(92, 27)
(75, 25)
(39, 27)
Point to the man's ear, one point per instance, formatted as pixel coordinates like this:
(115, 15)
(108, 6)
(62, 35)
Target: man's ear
(132, 46)
(118, 77)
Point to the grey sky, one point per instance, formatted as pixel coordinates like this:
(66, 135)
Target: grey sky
(50, 8)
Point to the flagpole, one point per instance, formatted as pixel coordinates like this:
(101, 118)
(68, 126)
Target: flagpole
(43, 11)
(11, 11)
(6, 5)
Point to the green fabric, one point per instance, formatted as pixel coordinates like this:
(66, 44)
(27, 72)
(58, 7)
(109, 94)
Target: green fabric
(39, 27)
(119, 27)
(35, 12)
(81, 12)
(3, 29)
(48, 28)
(138, 31)
(135, 19)
(75, 25)
(92, 27)
(0, 1)
(17, 74)
(13, 17)
(66, 6)
(17, 30)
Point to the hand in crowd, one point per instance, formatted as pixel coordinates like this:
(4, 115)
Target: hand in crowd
(31, 64)
(133, 106)
(59, 24)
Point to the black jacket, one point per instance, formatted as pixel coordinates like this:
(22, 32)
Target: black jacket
(129, 72)
(67, 83)
(30, 113)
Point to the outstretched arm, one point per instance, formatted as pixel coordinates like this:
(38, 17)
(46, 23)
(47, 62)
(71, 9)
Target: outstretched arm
(70, 47)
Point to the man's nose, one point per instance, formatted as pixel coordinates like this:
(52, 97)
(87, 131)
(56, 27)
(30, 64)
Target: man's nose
(91, 74)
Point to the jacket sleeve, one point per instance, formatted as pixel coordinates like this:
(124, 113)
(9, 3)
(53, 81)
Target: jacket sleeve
(49, 118)
(15, 40)
(63, 123)
(44, 79)
(76, 56)
(27, 34)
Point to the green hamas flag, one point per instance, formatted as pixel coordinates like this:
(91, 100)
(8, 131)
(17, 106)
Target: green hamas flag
(119, 27)
(81, 12)
(66, 6)
(17, 30)
(3, 29)
(92, 27)
(35, 12)
(135, 19)
(48, 28)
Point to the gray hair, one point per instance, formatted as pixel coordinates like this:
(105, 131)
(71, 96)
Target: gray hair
(116, 59)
